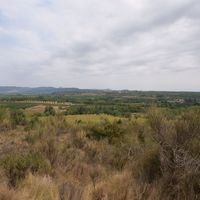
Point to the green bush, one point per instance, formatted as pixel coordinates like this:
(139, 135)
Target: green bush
(32, 123)
(111, 131)
(148, 166)
(17, 166)
(17, 117)
(4, 119)
(49, 110)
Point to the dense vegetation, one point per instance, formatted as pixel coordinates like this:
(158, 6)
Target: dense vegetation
(49, 152)
(118, 103)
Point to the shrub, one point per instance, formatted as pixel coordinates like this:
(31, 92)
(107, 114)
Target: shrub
(111, 131)
(40, 188)
(49, 110)
(49, 149)
(117, 187)
(31, 138)
(16, 166)
(118, 157)
(17, 117)
(78, 139)
(8, 194)
(4, 119)
(32, 123)
(147, 166)
(179, 164)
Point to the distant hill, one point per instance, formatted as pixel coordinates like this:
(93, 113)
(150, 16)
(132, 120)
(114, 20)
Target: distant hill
(62, 91)
(36, 90)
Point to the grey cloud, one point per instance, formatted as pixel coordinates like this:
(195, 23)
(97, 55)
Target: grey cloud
(164, 17)
(103, 44)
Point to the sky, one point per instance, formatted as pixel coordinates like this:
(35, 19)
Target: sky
(115, 44)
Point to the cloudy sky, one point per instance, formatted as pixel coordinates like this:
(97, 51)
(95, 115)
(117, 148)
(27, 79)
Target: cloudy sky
(117, 44)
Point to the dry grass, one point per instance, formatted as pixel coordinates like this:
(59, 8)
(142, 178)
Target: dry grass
(89, 118)
(38, 188)
(146, 162)
(9, 194)
(39, 109)
(35, 109)
(11, 141)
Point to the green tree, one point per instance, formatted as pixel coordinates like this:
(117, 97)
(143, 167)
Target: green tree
(17, 117)
(49, 110)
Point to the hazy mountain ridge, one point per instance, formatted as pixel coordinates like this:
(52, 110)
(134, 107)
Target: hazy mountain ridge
(34, 90)
(62, 90)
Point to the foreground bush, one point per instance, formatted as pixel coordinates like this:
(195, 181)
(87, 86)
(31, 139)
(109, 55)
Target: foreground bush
(179, 165)
(147, 167)
(9, 194)
(39, 188)
(5, 123)
(156, 158)
(17, 117)
(17, 166)
(112, 131)
(49, 110)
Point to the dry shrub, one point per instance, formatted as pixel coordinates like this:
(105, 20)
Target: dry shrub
(121, 186)
(40, 188)
(74, 164)
(87, 173)
(5, 122)
(9, 194)
(70, 191)
(147, 166)
(99, 152)
(16, 166)
(180, 166)
(49, 148)
(60, 124)
(70, 157)
(47, 143)
(92, 151)
(113, 157)
(56, 124)
(78, 139)
(116, 187)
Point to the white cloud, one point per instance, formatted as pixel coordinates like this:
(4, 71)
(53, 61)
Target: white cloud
(133, 44)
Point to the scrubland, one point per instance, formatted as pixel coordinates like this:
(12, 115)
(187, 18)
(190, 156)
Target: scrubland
(155, 156)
